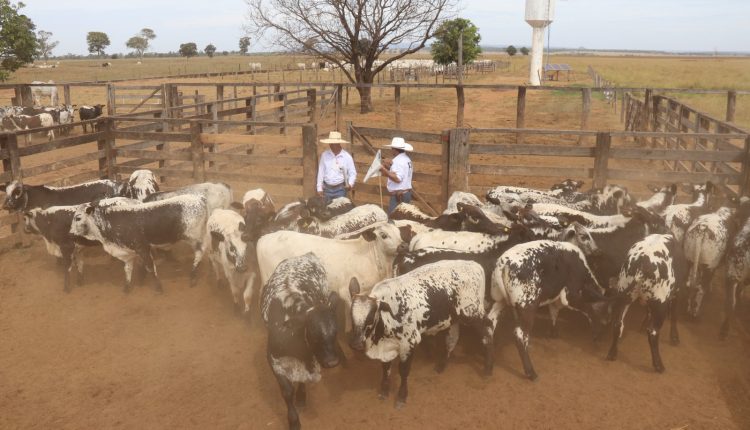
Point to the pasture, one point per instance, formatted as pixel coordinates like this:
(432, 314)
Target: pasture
(96, 358)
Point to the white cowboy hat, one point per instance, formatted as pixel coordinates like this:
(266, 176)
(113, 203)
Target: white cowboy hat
(400, 143)
(334, 137)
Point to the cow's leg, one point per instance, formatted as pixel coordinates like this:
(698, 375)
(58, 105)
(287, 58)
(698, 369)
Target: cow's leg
(483, 326)
(704, 285)
(128, 273)
(403, 371)
(148, 263)
(730, 301)
(218, 272)
(442, 359)
(524, 325)
(554, 311)
(79, 264)
(247, 295)
(198, 247)
(674, 335)
(658, 313)
(67, 261)
(385, 382)
(287, 392)
(494, 315)
(301, 396)
(621, 307)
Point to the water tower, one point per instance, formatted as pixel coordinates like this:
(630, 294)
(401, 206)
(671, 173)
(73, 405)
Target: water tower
(539, 14)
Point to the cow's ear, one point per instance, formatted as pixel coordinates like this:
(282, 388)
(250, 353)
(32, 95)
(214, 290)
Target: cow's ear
(385, 307)
(673, 188)
(709, 186)
(241, 226)
(89, 209)
(578, 184)
(406, 234)
(570, 234)
(369, 235)
(353, 287)
(4, 186)
(216, 238)
(618, 194)
(236, 205)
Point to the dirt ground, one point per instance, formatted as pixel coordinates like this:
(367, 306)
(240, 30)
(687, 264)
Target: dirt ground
(97, 358)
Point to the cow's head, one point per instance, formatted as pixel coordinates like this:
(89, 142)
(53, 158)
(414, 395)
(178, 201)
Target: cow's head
(321, 331)
(16, 196)
(231, 246)
(653, 222)
(579, 236)
(387, 237)
(610, 199)
(316, 205)
(141, 184)
(474, 219)
(568, 185)
(257, 215)
(83, 224)
(366, 313)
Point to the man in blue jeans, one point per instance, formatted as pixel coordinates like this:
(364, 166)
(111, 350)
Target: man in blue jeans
(399, 172)
(336, 172)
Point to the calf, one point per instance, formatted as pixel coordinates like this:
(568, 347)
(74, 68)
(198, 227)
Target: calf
(89, 112)
(318, 208)
(654, 270)
(536, 273)
(446, 222)
(141, 184)
(217, 195)
(22, 197)
(127, 232)
(354, 220)
(53, 225)
(390, 321)
(28, 122)
(662, 198)
(706, 241)
(738, 270)
(300, 315)
(679, 217)
(231, 256)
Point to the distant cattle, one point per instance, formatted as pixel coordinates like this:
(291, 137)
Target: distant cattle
(107, 64)
(40, 90)
(254, 66)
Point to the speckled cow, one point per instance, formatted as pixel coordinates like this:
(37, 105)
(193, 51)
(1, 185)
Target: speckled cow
(543, 272)
(351, 221)
(654, 271)
(390, 321)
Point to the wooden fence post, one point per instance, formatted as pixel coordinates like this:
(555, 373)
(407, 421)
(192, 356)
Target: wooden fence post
(601, 158)
(622, 106)
(249, 110)
(445, 155)
(585, 112)
(12, 164)
(339, 106)
(66, 94)
(309, 159)
(745, 177)
(108, 162)
(111, 101)
(461, 102)
(196, 149)
(220, 96)
(283, 113)
(520, 112)
(731, 105)
(646, 118)
(458, 179)
(397, 100)
(312, 106)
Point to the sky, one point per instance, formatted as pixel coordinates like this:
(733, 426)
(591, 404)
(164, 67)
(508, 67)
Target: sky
(667, 25)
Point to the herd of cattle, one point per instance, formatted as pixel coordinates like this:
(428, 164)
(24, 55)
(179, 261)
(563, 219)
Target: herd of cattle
(17, 118)
(388, 281)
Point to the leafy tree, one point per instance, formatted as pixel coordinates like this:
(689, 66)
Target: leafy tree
(98, 41)
(511, 50)
(45, 45)
(210, 49)
(244, 45)
(188, 50)
(445, 47)
(525, 51)
(335, 30)
(140, 42)
(18, 43)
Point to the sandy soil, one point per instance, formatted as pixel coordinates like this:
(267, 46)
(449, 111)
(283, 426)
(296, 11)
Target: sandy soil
(96, 358)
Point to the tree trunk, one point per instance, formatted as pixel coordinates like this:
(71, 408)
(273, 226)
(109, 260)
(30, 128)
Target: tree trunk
(365, 98)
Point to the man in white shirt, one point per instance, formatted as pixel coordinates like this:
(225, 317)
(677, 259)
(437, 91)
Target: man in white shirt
(336, 171)
(399, 172)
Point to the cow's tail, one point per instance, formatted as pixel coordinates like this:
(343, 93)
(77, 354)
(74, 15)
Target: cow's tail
(692, 278)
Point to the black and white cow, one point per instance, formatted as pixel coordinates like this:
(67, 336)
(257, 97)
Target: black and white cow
(460, 197)
(678, 217)
(53, 225)
(300, 315)
(706, 242)
(231, 256)
(258, 211)
(217, 195)
(127, 232)
(738, 267)
(654, 271)
(662, 198)
(390, 321)
(568, 185)
(542, 272)
(318, 208)
(141, 184)
(610, 200)
(23, 197)
(446, 222)
(519, 195)
(88, 113)
(349, 222)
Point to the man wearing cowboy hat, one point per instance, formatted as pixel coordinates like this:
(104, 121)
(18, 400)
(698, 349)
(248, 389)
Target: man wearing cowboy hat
(399, 172)
(336, 172)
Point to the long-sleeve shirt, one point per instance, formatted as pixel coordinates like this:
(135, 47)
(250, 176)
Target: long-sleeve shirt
(403, 169)
(332, 169)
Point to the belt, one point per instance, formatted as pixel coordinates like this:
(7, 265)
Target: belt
(399, 192)
(334, 187)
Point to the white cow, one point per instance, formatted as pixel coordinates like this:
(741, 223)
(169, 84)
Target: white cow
(37, 92)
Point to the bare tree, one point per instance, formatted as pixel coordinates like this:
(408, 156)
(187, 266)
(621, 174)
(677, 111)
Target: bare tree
(45, 45)
(350, 33)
